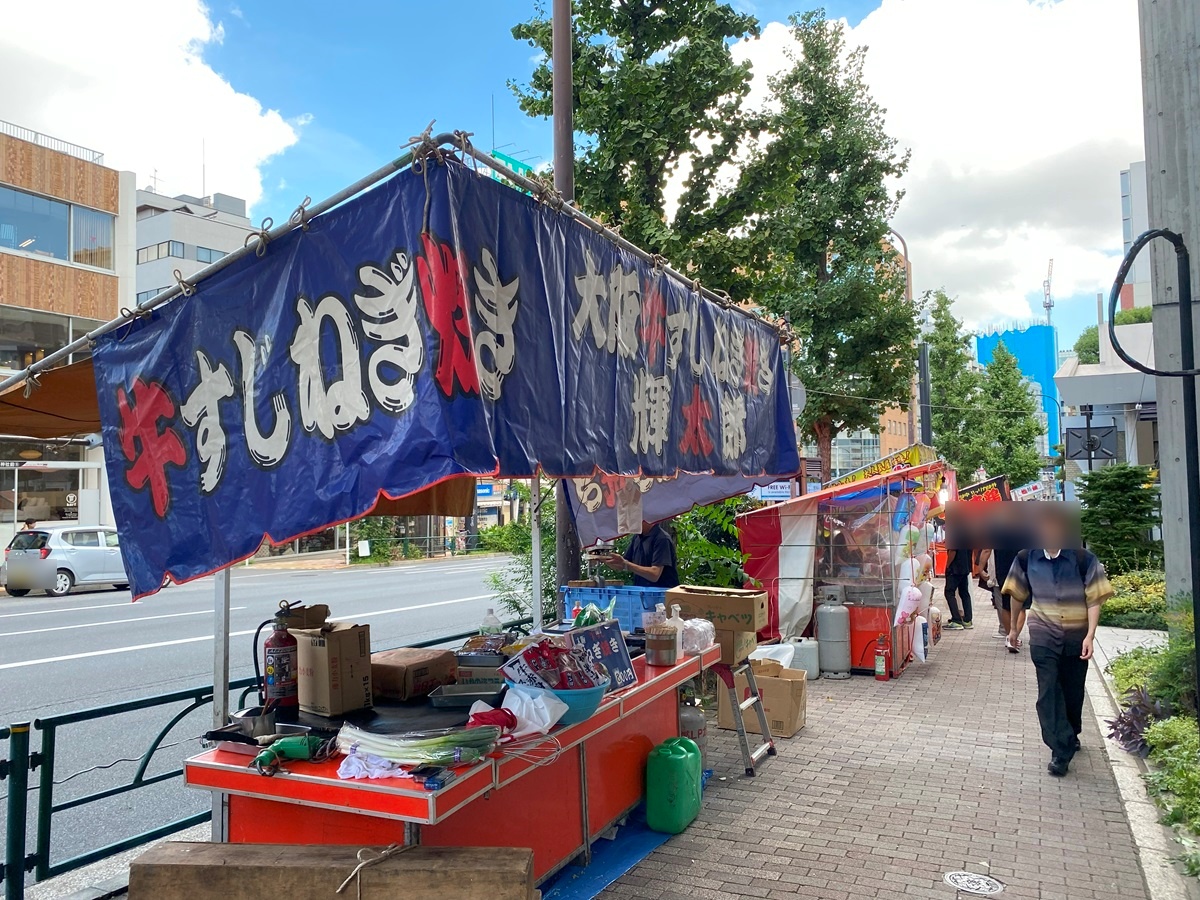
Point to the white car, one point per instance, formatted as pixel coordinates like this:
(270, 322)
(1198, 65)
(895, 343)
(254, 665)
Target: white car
(56, 558)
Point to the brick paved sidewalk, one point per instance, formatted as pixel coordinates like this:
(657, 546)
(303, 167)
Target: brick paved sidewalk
(893, 784)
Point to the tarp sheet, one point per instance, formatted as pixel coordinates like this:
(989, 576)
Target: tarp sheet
(440, 324)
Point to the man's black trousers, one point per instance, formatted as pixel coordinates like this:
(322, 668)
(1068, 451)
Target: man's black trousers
(1060, 677)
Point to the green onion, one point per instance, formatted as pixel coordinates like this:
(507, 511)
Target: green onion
(444, 747)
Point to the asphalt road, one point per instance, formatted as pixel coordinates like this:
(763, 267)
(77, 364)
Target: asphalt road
(93, 649)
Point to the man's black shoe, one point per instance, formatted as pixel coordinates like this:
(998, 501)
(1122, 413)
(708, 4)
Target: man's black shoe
(1058, 766)
(1078, 746)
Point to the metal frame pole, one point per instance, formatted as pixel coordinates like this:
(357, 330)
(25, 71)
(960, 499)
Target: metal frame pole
(15, 864)
(220, 702)
(535, 529)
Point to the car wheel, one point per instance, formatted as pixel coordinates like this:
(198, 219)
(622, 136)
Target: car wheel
(63, 583)
(16, 592)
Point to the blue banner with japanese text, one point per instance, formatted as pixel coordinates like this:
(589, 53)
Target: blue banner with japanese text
(439, 325)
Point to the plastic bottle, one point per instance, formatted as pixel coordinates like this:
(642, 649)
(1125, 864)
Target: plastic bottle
(490, 624)
(676, 622)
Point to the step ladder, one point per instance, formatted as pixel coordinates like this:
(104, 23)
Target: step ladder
(752, 759)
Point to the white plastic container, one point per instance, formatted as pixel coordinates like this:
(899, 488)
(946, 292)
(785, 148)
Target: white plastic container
(781, 653)
(807, 656)
(676, 622)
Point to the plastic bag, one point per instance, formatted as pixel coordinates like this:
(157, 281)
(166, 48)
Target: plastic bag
(698, 635)
(907, 608)
(537, 710)
(919, 639)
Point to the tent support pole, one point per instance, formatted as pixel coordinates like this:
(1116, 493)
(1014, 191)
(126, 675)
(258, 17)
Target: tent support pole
(220, 687)
(535, 527)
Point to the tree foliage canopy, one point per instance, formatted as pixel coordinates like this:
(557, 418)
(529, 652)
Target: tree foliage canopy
(1087, 345)
(1120, 511)
(1010, 428)
(956, 388)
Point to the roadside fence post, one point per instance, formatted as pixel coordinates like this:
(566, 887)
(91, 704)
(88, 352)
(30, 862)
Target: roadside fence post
(18, 809)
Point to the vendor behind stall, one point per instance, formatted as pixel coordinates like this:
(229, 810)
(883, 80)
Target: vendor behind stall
(650, 558)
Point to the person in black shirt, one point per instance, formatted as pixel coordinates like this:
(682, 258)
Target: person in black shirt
(958, 575)
(650, 558)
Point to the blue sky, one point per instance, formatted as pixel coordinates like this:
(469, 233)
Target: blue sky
(1012, 163)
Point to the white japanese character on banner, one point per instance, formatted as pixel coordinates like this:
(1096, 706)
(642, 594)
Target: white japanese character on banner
(624, 308)
(651, 412)
(265, 449)
(390, 316)
(589, 492)
(496, 304)
(735, 342)
(733, 425)
(202, 411)
(592, 287)
(341, 405)
(766, 370)
(685, 321)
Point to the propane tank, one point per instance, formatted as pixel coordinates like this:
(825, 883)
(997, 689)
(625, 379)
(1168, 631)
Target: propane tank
(281, 670)
(694, 724)
(833, 638)
(883, 659)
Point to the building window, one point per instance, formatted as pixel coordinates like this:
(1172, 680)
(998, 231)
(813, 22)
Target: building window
(91, 238)
(1125, 182)
(81, 328)
(1127, 231)
(206, 255)
(27, 336)
(34, 224)
(143, 296)
(161, 250)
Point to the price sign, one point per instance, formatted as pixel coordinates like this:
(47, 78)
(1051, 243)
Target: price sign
(605, 644)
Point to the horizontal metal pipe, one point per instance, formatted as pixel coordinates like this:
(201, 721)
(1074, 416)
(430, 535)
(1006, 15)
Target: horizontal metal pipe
(86, 859)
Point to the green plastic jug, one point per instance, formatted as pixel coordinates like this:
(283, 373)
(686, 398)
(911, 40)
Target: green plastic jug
(673, 785)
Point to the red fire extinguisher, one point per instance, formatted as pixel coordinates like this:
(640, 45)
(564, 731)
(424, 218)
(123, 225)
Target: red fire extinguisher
(883, 659)
(279, 677)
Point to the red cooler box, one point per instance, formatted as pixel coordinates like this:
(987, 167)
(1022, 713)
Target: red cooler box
(867, 623)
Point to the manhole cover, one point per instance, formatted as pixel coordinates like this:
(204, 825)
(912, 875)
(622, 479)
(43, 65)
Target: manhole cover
(972, 883)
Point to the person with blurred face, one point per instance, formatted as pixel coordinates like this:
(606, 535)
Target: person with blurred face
(1063, 590)
(1009, 536)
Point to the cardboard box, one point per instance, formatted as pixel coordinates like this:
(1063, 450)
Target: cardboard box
(406, 673)
(335, 668)
(307, 616)
(784, 695)
(479, 675)
(729, 609)
(735, 645)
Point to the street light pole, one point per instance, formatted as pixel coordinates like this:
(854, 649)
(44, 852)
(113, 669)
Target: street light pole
(908, 296)
(562, 49)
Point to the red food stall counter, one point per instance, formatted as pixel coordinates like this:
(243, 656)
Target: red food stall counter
(561, 794)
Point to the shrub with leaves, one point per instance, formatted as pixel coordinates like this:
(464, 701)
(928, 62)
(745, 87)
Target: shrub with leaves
(1139, 712)
(1175, 779)
(1139, 601)
(706, 544)
(1134, 668)
(1120, 511)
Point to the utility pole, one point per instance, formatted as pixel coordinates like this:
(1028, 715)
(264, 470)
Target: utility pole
(924, 390)
(562, 48)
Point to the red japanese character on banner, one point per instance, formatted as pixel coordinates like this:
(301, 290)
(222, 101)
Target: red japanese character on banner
(613, 485)
(654, 322)
(750, 376)
(147, 447)
(445, 298)
(695, 438)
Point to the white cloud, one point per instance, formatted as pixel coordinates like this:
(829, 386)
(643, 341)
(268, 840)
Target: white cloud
(1020, 115)
(133, 84)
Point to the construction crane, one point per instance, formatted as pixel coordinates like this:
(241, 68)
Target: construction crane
(1048, 301)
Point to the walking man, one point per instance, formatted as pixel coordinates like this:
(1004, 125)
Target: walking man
(958, 581)
(1063, 590)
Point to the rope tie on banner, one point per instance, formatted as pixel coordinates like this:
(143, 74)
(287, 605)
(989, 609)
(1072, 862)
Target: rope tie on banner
(263, 235)
(722, 297)
(367, 858)
(300, 216)
(185, 287)
(32, 382)
(659, 261)
(131, 316)
(464, 148)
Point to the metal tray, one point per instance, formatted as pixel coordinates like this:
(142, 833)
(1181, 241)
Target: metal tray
(481, 660)
(246, 749)
(461, 696)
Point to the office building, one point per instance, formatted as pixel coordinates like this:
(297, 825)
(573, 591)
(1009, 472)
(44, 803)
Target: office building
(1036, 350)
(66, 265)
(184, 234)
(1135, 220)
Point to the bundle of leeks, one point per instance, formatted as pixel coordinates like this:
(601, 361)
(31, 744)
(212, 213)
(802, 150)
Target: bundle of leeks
(443, 747)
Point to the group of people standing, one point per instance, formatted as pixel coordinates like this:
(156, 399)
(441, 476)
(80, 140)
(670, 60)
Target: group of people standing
(1038, 576)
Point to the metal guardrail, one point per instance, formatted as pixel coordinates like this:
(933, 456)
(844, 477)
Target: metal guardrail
(21, 760)
(51, 143)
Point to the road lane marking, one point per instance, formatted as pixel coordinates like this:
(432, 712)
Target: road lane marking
(202, 612)
(208, 637)
(49, 612)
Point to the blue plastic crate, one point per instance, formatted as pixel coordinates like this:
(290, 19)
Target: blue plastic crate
(631, 601)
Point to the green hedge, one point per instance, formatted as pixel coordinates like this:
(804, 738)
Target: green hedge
(1140, 601)
(1175, 780)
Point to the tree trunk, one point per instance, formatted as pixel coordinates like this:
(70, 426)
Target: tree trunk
(823, 429)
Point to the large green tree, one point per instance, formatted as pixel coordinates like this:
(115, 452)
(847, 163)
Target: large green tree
(660, 105)
(1120, 512)
(956, 387)
(1087, 345)
(1010, 425)
(832, 272)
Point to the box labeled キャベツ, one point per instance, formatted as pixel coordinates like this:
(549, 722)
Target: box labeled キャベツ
(784, 695)
(735, 645)
(408, 673)
(335, 668)
(729, 609)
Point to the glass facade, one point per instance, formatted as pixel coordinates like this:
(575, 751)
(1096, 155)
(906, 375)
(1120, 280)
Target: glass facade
(27, 335)
(161, 250)
(41, 226)
(207, 255)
